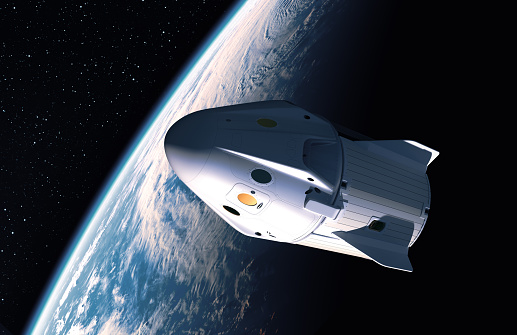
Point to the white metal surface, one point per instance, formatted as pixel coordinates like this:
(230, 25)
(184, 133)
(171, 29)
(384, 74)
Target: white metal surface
(275, 171)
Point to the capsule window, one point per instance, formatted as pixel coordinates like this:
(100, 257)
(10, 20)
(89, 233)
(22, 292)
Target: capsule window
(231, 210)
(376, 225)
(261, 176)
(247, 199)
(268, 123)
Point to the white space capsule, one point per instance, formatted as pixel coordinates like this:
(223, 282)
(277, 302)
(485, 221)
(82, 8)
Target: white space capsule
(277, 172)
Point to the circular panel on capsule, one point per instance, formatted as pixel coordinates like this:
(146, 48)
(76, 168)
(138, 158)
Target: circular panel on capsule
(247, 199)
(261, 176)
(268, 123)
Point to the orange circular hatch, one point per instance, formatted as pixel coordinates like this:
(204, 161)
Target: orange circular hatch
(247, 199)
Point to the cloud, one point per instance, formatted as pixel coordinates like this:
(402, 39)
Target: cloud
(117, 297)
(59, 326)
(73, 281)
(113, 325)
(82, 305)
(79, 329)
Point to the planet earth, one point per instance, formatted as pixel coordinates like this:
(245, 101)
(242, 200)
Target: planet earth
(153, 258)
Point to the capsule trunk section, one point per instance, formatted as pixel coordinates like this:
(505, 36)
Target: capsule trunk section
(275, 171)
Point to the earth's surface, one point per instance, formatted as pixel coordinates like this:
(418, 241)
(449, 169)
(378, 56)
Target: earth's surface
(154, 259)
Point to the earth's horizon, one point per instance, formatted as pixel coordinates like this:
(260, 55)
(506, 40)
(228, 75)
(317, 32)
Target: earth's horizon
(154, 259)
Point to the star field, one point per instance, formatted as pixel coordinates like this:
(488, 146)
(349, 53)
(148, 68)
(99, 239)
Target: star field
(77, 81)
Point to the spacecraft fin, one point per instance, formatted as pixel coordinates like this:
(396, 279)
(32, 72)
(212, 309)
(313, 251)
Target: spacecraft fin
(387, 254)
(410, 153)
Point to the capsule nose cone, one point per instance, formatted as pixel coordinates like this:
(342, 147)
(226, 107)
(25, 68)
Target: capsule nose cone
(188, 144)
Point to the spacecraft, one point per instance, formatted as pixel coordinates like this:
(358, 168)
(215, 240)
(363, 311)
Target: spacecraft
(275, 171)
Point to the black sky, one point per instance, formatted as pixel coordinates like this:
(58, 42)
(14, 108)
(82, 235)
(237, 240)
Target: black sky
(78, 80)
